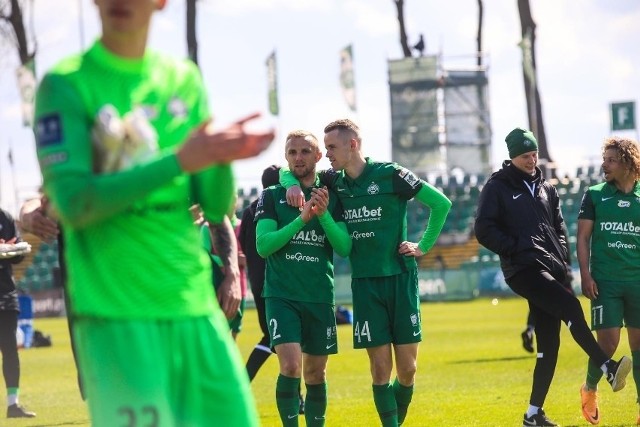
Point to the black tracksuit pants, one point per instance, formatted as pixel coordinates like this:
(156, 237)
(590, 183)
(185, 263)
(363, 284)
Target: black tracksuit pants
(9, 348)
(550, 303)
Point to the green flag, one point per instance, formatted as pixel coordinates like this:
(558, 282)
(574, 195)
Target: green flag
(527, 57)
(272, 78)
(27, 85)
(347, 80)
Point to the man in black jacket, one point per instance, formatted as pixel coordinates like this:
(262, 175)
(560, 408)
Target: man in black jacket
(11, 252)
(519, 219)
(255, 270)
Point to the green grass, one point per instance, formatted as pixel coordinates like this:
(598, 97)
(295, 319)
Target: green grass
(472, 371)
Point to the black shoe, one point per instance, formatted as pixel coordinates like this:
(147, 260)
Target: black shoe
(617, 372)
(301, 410)
(539, 419)
(527, 340)
(17, 411)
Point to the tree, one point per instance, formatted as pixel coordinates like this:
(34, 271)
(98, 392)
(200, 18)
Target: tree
(12, 28)
(479, 36)
(192, 41)
(534, 106)
(406, 50)
(14, 35)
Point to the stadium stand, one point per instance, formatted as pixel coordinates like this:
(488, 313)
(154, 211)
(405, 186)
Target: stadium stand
(35, 273)
(456, 249)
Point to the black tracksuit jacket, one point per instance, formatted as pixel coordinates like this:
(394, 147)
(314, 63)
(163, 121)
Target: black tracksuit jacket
(524, 229)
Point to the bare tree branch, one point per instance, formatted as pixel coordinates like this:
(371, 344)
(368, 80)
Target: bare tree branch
(479, 36)
(534, 105)
(192, 41)
(406, 50)
(13, 29)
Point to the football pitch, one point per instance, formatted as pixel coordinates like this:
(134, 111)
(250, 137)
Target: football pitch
(472, 371)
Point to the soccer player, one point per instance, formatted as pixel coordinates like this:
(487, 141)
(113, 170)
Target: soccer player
(228, 260)
(255, 272)
(608, 242)
(519, 218)
(124, 151)
(299, 289)
(386, 302)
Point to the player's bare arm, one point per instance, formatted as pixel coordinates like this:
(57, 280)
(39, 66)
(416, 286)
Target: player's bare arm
(33, 219)
(224, 243)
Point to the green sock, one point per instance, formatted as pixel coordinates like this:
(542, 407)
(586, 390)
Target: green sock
(403, 399)
(594, 373)
(635, 357)
(315, 408)
(287, 400)
(385, 401)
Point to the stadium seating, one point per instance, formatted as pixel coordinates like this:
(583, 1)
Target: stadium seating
(35, 273)
(456, 248)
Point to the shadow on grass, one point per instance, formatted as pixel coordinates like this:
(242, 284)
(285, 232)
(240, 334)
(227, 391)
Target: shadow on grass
(493, 359)
(65, 423)
(585, 423)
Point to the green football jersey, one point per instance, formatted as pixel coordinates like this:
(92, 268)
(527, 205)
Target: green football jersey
(615, 240)
(375, 207)
(131, 247)
(302, 270)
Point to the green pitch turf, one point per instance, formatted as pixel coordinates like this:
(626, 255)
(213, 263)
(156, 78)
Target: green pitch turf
(472, 371)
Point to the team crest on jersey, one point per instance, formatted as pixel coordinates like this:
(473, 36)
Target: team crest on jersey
(624, 203)
(373, 188)
(414, 319)
(409, 177)
(177, 108)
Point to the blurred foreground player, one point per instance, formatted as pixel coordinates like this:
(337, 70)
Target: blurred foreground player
(124, 151)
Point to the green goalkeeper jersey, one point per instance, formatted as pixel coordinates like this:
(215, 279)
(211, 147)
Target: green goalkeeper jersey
(132, 250)
(615, 240)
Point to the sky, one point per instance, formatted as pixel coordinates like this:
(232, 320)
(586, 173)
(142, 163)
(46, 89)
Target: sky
(586, 55)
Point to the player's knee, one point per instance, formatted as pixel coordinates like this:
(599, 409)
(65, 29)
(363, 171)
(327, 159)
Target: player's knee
(406, 372)
(315, 376)
(290, 368)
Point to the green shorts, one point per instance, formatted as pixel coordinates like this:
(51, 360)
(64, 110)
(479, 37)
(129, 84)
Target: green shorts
(313, 325)
(616, 302)
(235, 324)
(386, 310)
(165, 373)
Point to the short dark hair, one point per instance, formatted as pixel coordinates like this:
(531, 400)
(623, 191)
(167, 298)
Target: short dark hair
(344, 126)
(271, 176)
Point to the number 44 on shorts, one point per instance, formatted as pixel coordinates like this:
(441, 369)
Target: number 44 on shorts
(362, 331)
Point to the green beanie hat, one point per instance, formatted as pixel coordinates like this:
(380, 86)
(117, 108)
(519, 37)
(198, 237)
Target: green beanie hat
(520, 141)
